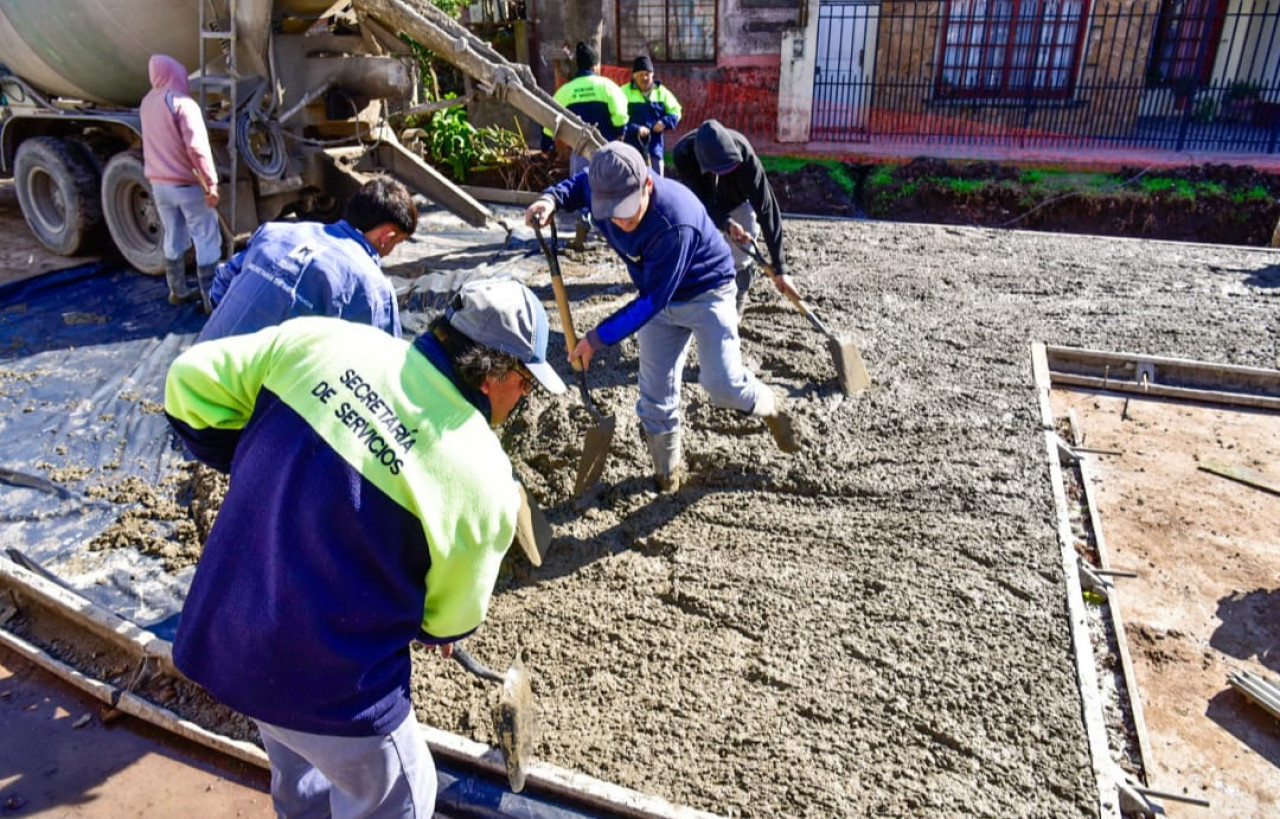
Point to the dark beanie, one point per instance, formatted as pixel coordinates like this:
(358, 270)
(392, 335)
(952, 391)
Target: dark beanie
(584, 56)
(642, 63)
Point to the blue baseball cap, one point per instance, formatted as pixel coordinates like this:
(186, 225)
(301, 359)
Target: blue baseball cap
(504, 315)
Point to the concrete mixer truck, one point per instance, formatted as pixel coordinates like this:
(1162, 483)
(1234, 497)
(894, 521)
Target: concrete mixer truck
(298, 96)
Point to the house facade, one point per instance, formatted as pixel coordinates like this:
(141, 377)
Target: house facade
(1173, 74)
(1164, 74)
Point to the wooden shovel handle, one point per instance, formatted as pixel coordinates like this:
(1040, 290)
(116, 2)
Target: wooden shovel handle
(795, 299)
(566, 320)
(562, 297)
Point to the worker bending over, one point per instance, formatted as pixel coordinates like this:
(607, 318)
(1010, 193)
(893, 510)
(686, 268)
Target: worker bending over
(370, 505)
(292, 269)
(721, 168)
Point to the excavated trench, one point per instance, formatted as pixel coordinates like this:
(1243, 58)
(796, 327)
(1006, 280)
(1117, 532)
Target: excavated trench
(1222, 204)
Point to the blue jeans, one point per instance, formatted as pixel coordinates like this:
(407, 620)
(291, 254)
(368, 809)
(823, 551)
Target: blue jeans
(185, 218)
(711, 318)
(320, 775)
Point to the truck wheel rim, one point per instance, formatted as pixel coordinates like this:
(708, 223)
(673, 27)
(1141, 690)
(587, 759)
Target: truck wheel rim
(50, 206)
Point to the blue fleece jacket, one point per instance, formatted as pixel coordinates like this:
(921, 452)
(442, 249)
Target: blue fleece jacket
(675, 253)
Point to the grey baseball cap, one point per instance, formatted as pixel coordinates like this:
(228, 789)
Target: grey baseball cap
(616, 178)
(506, 316)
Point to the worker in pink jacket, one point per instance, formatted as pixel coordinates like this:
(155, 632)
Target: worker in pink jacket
(178, 162)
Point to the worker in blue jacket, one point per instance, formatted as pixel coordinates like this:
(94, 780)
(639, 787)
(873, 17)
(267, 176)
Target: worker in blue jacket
(292, 269)
(370, 506)
(651, 110)
(683, 273)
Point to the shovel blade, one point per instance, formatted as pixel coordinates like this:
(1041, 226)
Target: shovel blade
(516, 725)
(850, 369)
(595, 450)
(533, 531)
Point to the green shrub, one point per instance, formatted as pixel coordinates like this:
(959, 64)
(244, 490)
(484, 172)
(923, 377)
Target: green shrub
(881, 177)
(447, 140)
(1255, 194)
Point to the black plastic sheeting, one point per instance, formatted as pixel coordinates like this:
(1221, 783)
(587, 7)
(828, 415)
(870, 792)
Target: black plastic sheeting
(83, 357)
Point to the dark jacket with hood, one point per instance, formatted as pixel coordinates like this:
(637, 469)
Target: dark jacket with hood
(722, 169)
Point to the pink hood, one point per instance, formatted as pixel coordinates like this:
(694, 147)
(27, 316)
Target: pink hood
(168, 73)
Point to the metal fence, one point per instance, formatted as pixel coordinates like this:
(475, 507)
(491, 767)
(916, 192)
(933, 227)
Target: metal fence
(1173, 75)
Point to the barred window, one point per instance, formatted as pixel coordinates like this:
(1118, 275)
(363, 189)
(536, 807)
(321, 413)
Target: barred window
(1011, 49)
(1186, 41)
(669, 31)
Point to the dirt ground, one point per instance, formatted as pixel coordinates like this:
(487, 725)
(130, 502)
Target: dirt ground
(877, 625)
(1206, 601)
(21, 256)
(58, 758)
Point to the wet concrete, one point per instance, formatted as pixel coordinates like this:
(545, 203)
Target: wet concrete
(877, 625)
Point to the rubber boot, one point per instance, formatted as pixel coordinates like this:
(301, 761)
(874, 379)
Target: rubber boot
(745, 275)
(205, 275)
(175, 273)
(668, 465)
(778, 420)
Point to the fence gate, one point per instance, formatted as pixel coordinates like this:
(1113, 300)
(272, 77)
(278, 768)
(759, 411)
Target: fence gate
(844, 68)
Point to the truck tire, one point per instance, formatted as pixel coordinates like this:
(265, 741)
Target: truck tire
(57, 189)
(130, 211)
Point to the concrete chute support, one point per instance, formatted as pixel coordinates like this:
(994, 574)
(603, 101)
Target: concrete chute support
(496, 76)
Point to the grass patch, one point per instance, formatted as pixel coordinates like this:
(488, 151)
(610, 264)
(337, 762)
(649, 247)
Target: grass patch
(834, 169)
(1160, 184)
(789, 164)
(1254, 195)
(962, 185)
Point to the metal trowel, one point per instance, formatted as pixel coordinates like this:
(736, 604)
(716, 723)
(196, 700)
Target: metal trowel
(533, 530)
(514, 719)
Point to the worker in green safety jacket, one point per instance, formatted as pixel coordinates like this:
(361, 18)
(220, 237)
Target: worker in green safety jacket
(596, 99)
(599, 102)
(652, 110)
(370, 507)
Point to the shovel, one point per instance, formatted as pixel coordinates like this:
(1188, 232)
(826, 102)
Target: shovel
(850, 370)
(596, 447)
(533, 531)
(514, 718)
